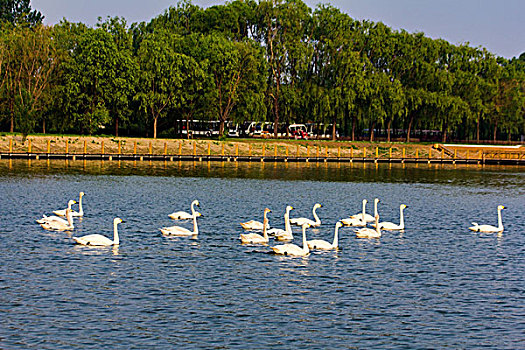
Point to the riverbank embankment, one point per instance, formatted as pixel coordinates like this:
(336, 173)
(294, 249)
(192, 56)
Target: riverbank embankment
(266, 150)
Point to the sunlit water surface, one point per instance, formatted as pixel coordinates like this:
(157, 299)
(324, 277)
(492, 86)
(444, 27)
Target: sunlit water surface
(436, 285)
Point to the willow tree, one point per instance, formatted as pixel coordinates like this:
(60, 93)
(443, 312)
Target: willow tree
(29, 59)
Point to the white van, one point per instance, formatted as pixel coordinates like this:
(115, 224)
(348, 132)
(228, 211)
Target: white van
(298, 131)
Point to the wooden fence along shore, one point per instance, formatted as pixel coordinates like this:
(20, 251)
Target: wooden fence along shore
(232, 151)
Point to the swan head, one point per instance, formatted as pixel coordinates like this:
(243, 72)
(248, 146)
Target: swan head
(338, 224)
(117, 221)
(377, 200)
(501, 207)
(365, 201)
(196, 202)
(306, 225)
(81, 194)
(266, 210)
(71, 202)
(402, 206)
(317, 205)
(288, 208)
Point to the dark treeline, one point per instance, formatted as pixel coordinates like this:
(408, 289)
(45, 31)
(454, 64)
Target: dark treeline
(267, 60)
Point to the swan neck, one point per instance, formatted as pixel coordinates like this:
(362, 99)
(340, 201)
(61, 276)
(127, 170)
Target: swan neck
(80, 210)
(195, 227)
(500, 221)
(69, 218)
(401, 218)
(115, 234)
(287, 226)
(375, 208)
(336, 237)
(305, 243)
(317, 221)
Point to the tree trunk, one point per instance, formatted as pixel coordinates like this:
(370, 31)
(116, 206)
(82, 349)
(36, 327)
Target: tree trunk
(44, 125)
(353, 127)
(410, 126)
(372, 131)
(495, 131)
(116, 127)
(477, 129)
(155, 127)
(388, 129)
(444, 133)
(334, 129)
(221, 127)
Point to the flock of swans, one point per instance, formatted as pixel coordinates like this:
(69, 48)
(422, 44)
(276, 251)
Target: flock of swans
(360, 221)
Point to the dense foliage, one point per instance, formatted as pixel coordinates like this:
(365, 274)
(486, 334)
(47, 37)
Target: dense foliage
(266, 60)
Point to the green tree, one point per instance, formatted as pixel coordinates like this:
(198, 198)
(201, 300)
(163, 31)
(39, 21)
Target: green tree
(19, 12)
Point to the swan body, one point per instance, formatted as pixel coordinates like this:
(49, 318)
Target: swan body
(357, 219)
(59, 225)
(49, 219)
(99, 240)
(292, 249)
(367, 217)
(324, 245)
(182, 231)
(80, 211)
(182, 215)
(489, 228)
(253, 225)
(366, 232)
(390, 226)
(312, 223)
(254, 238)
(286, 234)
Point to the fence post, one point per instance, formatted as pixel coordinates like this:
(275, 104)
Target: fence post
(165, 147)
(364, 152)
(442, 153)
(102, 147)
(377, 152)
(339, 152)
(85, 146)
(10, 145)
(307, 151)
(28, 145)
(275, 150)
(67, 146)
(286, 151)
(237, 149)
(49, 146)
(467, 154)
(404, 152)
(417, 153)
(180, 148)
(119, 147)
(222, 151)
(209, 148)
(297, 151)
(317, 152)
(390, 153)
(326, 152)
(263, 149)
(150, 148)
(250, 150)
(429, 153)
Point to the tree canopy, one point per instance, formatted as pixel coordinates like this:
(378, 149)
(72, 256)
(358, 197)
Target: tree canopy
(266, 60)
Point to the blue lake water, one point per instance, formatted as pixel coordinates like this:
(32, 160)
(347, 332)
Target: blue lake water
(435, 285)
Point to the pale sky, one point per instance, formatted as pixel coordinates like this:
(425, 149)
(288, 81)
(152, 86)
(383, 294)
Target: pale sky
(498, 25)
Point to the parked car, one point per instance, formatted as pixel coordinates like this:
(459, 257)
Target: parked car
(298, 131)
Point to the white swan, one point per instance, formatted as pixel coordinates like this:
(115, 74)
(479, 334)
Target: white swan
(254, 238)
(367, 217)
(366, 232)
(80, 211)
(182, 215)
(301, 221)
(99, 240)
(390, 226)
(489, 228)
(48, 219)
(324, 245)
(182, 231)
(357, 219)
(59, 225)
(254, 225)
(292, 249)
(286, 234)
